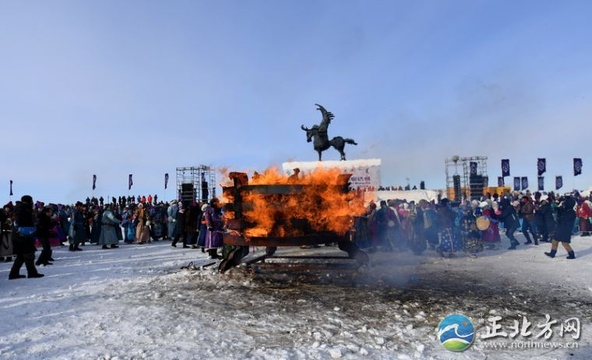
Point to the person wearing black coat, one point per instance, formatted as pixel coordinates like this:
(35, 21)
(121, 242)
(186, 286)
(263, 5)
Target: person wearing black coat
(566, 217)
(180, 231)
(23, 239)
(547, 223)
(44, 232)
(510, 219)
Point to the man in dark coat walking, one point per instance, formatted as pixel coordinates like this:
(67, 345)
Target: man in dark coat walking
(23, 239)
(566, 217)
(510, 219)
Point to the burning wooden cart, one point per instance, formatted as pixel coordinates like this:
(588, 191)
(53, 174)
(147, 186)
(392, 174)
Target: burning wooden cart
(289, 212)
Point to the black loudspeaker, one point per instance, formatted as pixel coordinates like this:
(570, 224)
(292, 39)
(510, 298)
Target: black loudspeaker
(456, 187)
(204, 191)
(476, 186)
(187, 192)
(422, 185)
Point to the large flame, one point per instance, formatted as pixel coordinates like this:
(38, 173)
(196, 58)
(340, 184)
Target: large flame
(317, 201)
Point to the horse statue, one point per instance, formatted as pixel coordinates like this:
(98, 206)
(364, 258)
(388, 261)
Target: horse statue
(319, 134)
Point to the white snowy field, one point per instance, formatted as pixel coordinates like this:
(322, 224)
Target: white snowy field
(136, 303)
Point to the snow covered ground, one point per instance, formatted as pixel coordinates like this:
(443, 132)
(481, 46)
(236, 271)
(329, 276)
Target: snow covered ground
(136, 302)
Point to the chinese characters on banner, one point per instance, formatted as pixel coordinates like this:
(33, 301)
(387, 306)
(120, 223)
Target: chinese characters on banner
(542, 330)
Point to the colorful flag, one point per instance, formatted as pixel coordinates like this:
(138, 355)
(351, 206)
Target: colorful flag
(577, 166)
(11, 188)
(516, 183)
(558, 182)
(541, 183)
(524, 183)
(505, 167)
(500, 181)
(94, 182)
(130, 182)
(541, 166)
(166, 180)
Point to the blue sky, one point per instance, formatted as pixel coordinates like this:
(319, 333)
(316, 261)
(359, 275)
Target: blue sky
(118, 87)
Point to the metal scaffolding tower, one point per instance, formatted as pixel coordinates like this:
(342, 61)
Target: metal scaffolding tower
(196, 183)
(471, 182)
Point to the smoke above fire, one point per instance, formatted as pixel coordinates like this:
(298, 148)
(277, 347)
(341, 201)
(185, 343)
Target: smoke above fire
(274, 204)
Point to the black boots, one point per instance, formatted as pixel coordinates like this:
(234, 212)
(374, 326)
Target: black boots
(29, 261)
(74, 247)
(213, 254)
(551, 254)
(513, 245)
(570, 254)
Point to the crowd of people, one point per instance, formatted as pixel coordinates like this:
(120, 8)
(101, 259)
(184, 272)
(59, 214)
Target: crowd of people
(472, 226)
(27, 226)
(393, 225)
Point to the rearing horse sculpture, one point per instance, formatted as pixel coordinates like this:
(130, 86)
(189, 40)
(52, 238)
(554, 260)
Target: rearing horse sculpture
(321, 138)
